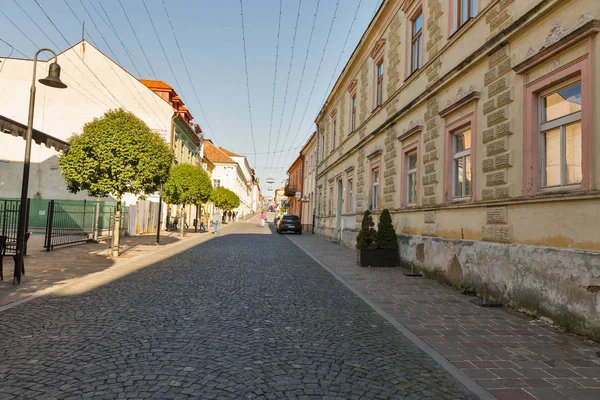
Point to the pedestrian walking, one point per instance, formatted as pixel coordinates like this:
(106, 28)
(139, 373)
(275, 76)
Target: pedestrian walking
(216, 221)
(229, 215)
(233, 216)
(263, 219)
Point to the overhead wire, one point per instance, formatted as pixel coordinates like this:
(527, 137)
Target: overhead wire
(301, 79)
(37, 47)
(334, 73)
(337, 3)
(179, 87)
(187, 71)
(274, 83)
(12, 50)
(287, 83)
(248, 80)
(110, 25)
(148, 108)
(137, 39)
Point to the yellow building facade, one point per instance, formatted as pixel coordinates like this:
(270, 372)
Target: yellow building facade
(473, 122)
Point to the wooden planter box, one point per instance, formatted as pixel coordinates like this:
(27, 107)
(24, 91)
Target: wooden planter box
(378, 258)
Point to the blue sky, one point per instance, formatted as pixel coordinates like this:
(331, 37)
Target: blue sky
(209, 33)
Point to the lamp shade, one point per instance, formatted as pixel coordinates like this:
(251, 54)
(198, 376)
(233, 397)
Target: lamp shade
(53, 78)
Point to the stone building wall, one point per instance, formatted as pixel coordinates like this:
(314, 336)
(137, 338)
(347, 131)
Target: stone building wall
(534, 249)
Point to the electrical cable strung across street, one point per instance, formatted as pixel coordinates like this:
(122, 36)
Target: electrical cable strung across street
(337, 3)
(301, 79)
(136, 87)
(274, 83)
(65, 73)
(247, 81)
(187, 71)
(333, 75)
(287, 83)
(137, 39)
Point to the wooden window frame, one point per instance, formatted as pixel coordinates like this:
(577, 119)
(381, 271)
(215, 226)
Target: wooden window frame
(580, 70)
(416, 37)
(375, 166)
(464, 154)
(349, 194)
(379, 82)
(469, 121)
(353, 103)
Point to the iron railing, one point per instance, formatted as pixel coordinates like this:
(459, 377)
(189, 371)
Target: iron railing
(290, 190)
(69, 223)
(9, 219)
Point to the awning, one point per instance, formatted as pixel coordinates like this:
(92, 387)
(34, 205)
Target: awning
(17, 129)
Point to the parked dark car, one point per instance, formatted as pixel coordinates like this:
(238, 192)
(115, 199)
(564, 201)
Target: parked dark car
(289, 223)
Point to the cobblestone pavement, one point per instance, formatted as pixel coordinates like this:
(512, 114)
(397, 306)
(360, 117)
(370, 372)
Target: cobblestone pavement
(512, 356)
(246, 314)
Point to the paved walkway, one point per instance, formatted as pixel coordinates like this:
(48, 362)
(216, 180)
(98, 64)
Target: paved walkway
(512, 356)
(245, 314)
(45, 271)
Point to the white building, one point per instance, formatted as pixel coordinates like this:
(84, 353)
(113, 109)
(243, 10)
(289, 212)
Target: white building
(95, 84)
(232, 172)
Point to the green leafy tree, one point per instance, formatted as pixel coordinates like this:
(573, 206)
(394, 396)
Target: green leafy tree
(114, 155)
(386, 234)
(367, 237)
(225, 199)
(187, 184)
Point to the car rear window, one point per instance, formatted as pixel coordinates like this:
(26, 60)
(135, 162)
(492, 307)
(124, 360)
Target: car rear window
(291, 218)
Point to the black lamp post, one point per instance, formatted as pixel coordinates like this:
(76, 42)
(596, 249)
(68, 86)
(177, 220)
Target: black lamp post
(52, 80)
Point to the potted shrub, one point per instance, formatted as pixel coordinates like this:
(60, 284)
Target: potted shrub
(377, 248)
(366, 241)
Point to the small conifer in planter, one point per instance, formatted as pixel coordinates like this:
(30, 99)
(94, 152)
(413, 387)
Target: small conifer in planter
(377, 249)
(367, 236)
(386, 234)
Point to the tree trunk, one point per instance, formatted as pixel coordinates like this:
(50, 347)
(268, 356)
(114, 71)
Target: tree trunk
(116, 230)
(182, 221)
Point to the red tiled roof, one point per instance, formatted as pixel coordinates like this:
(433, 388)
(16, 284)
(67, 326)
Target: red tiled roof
(229, 152)
(215, 155)
(156, 84)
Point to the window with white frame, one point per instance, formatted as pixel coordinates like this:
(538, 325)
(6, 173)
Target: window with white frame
(461, 163)
(353, 113)
(465, 10)
(411, 178)
(560, 128)
(416, 57)
(216, 183)
(375, 188)
(350, 196)
(331, 200)
(379, 90)
(333, 132)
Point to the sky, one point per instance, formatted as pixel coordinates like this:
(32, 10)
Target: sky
(221, 65)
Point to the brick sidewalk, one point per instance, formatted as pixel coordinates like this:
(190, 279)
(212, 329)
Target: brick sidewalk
(48, 270)
(512, 356)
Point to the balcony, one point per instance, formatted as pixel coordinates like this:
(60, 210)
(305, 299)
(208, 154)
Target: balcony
(290, 190)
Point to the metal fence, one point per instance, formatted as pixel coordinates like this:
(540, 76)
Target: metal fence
(9, 218)
(69, 222)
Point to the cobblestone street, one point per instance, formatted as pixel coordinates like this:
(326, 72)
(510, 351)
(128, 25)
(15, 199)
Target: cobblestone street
(246, 314)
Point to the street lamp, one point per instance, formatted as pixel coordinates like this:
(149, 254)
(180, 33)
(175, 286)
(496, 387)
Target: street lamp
(52, 80)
